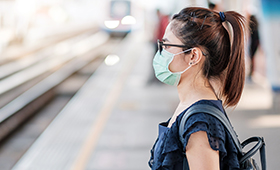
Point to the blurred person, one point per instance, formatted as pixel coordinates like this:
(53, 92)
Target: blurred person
(163, 21)
(254, 42)
(211, 5)
(216, 5)
(198, 56)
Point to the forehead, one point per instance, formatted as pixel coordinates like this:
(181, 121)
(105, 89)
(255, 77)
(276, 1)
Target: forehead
(170, 36)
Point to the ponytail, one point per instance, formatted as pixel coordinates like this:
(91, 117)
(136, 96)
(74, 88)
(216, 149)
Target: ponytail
(235, 72)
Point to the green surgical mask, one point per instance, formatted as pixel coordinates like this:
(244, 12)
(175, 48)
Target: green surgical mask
(161, 66)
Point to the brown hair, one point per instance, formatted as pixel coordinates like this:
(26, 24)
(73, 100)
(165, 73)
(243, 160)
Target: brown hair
(203, 28)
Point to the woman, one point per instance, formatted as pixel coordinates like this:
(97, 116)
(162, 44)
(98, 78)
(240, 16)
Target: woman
(198, 56)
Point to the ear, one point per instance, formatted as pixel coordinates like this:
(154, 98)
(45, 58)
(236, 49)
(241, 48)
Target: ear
(196, 56)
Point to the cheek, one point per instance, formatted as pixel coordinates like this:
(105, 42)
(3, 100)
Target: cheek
(178, 64)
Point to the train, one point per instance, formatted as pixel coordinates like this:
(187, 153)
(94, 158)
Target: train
(118, 20)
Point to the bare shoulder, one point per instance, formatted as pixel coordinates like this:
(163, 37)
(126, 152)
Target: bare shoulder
(199, 153)
(198, 139)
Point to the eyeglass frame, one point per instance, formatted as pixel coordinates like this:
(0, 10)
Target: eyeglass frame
(160, 44)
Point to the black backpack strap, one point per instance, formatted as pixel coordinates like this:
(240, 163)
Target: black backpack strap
(263, 157)
(205, 108)
(259, 146)
(211, 110)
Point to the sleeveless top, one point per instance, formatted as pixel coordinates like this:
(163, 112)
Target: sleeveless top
(167, 152)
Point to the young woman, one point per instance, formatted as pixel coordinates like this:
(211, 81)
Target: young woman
(206, 63)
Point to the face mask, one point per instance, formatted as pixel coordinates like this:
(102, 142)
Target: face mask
(161, 66)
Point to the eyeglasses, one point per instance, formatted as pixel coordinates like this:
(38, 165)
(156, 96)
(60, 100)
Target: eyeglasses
(160, 44)
(160, 48)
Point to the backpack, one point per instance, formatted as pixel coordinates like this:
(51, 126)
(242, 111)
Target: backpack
(245, 159)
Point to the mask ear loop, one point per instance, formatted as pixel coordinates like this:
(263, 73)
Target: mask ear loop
(183, 51)
(180, 72)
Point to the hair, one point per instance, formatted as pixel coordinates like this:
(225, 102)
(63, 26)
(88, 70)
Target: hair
(224, 52)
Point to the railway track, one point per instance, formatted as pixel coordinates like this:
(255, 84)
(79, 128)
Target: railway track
(31, 83)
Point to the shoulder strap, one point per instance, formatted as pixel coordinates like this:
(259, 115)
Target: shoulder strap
(205, 108)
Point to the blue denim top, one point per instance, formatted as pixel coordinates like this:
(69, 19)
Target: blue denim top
(167, 152)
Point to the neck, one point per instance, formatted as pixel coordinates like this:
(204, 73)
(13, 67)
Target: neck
(197, 89)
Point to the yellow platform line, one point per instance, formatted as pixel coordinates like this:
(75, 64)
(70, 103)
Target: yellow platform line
(102, 118)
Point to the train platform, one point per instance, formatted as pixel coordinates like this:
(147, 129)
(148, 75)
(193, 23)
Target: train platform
(107, 124)
(111, 123)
